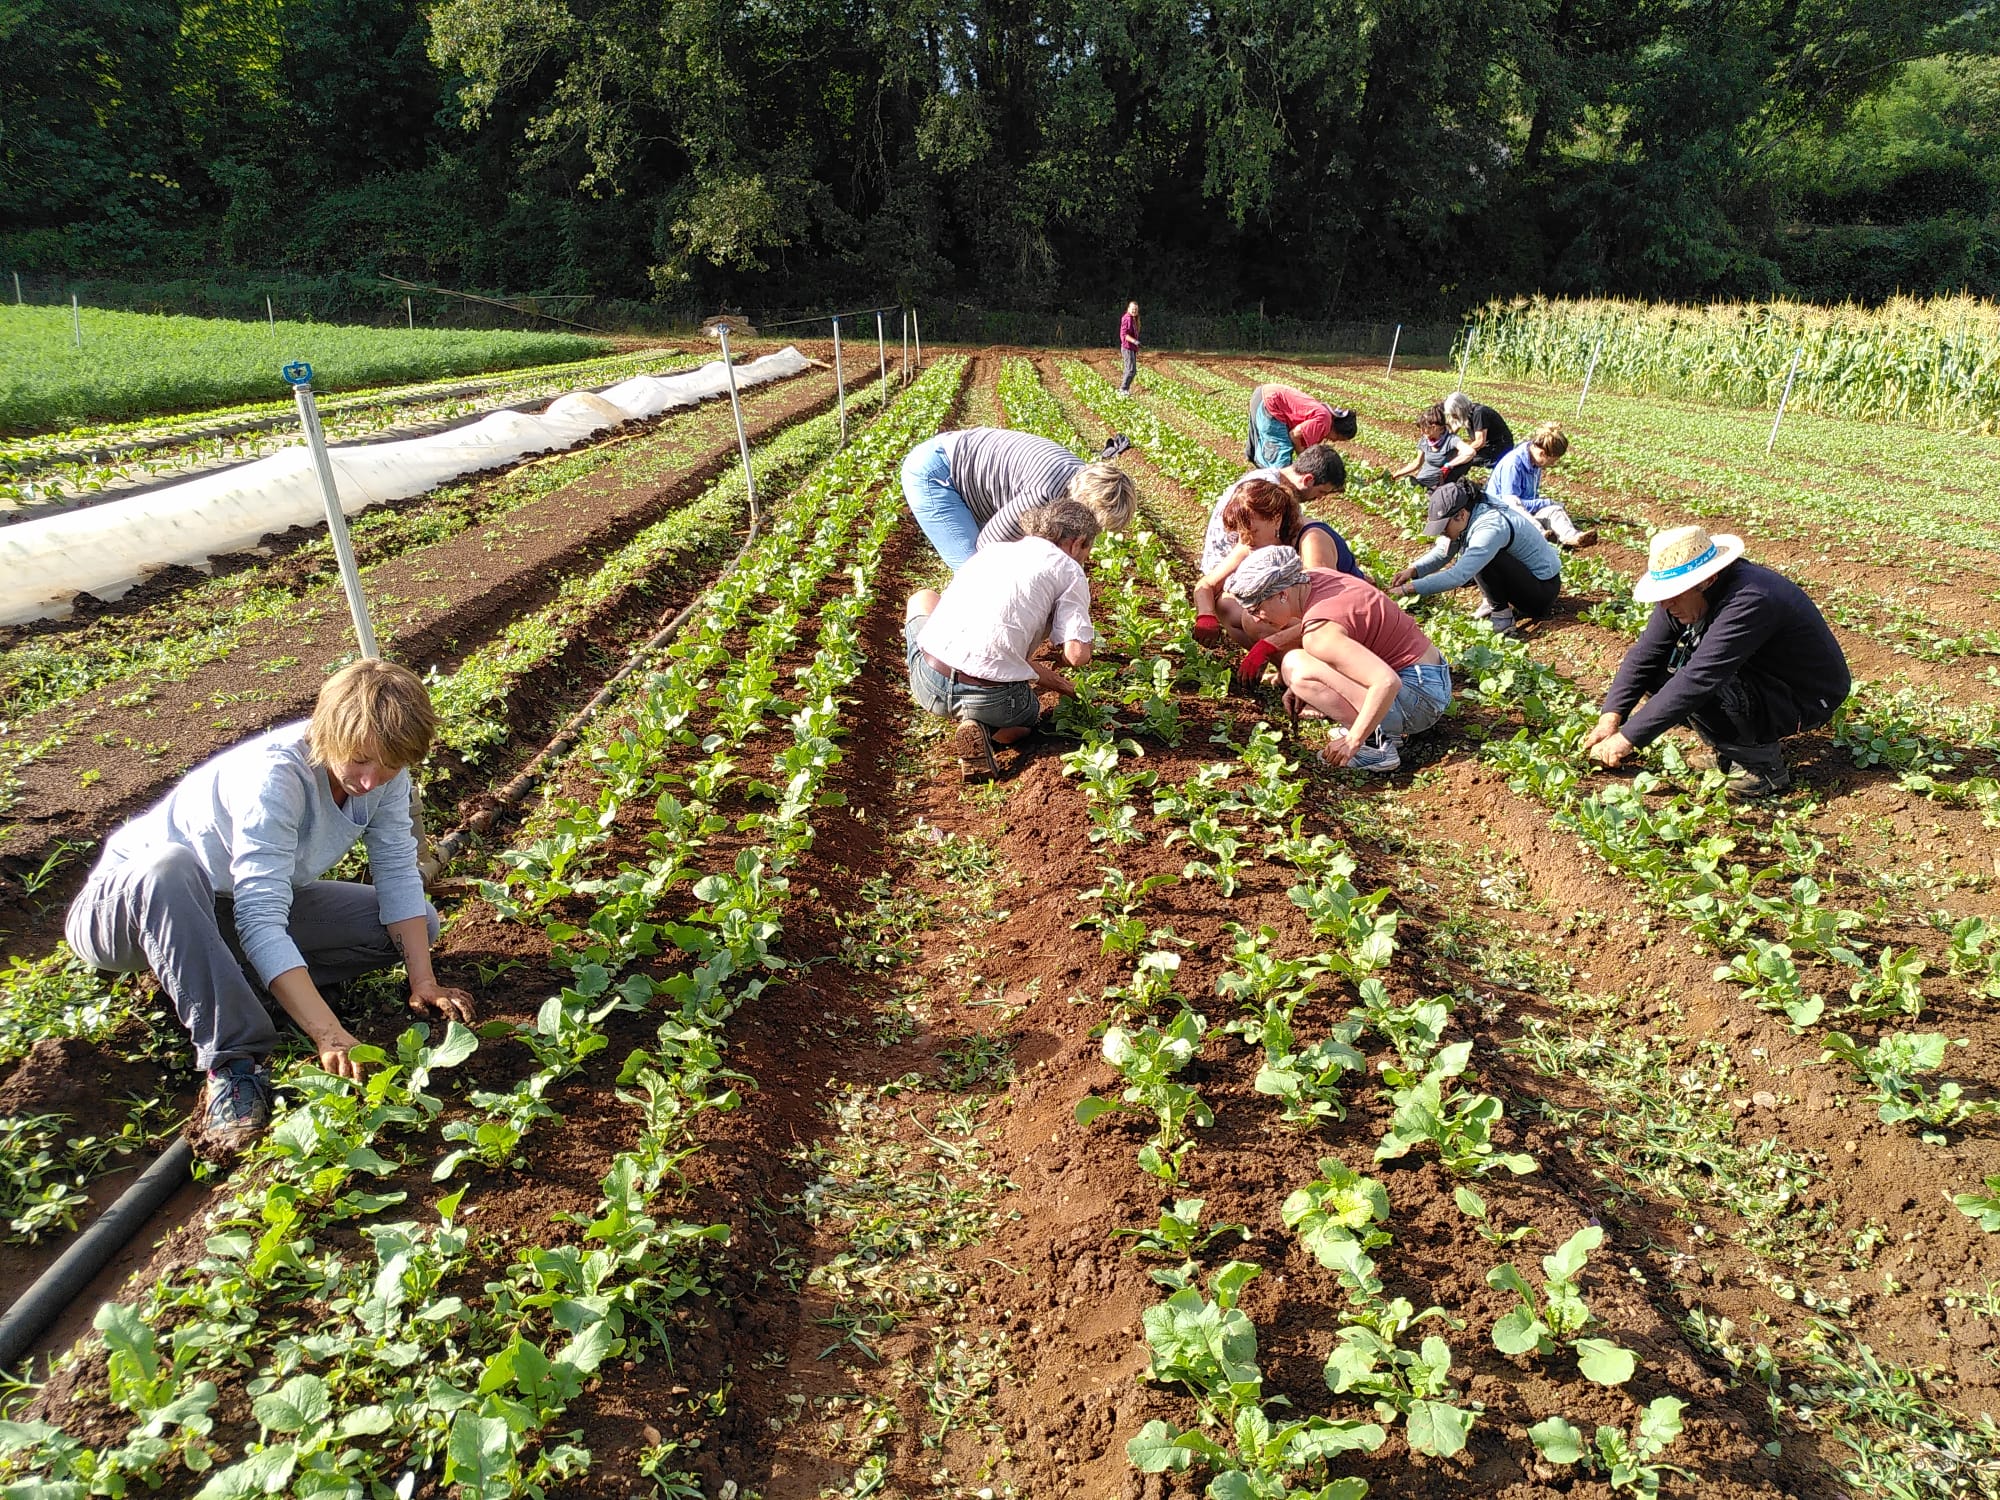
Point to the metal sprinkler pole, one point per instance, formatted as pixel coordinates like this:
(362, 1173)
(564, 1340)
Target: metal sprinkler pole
(299, 376)
(917, 331)
(17, 288)
(882, 358)
(1465, 355)
(906, 346)
(839, 382)
(76, 319)
(1595, 349)
(1394, 344)
(410, 312)
(736, 408)
(271, 316)
(1789, 375)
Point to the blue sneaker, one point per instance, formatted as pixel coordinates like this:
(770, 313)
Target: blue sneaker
(237, 1106)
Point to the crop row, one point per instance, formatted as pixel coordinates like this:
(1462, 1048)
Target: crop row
(399, 1378)
(1679, 852)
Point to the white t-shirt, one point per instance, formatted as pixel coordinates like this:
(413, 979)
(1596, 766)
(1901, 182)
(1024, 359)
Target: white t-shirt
(1221, 541)
(1002, 602)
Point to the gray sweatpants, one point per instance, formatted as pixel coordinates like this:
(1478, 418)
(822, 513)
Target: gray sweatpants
(158, 912)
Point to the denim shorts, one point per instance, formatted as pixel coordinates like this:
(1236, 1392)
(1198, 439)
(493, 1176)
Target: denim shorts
(1002, 707)
(1421, 702)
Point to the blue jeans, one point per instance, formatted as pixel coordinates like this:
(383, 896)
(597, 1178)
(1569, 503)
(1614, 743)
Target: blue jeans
(995, 707)
(940, 510)
(1270, 444)
(1420, 702)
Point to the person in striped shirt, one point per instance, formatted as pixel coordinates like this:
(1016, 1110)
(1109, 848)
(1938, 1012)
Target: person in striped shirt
(975, 487)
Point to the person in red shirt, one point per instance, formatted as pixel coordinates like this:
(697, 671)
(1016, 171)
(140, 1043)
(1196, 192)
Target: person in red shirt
(1128, 345)
(1361, 661)
(1284, 419)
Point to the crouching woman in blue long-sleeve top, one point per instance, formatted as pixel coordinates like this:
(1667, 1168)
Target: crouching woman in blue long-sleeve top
(1733, 650)
(1493, 545)
(222, 877)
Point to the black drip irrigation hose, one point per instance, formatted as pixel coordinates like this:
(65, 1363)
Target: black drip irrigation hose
(37, 1308)
(41, 1304)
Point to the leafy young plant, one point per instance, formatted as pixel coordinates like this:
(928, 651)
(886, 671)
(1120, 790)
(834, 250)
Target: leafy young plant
(1627, 1460)
(1896, 1067)
(1474, 1208)
(1459, 1126)
(1338, 1209)
(1560, 1314)
(1179, 1233)
(1412, 1384)
(1982, 1204)
(1148, 1059)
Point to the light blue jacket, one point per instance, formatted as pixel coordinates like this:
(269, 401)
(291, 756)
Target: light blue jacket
(1493, 529)
(262, 820)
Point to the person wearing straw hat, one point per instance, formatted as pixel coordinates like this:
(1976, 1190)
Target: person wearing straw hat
(1479, 540)
(1284, 420)
(1361, 662)
(1733, 650)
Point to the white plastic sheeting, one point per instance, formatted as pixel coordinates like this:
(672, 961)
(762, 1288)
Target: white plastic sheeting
(105, 549)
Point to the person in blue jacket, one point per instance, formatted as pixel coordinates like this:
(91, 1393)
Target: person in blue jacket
(1734, 650)
(1482, 541)
(1517, 479)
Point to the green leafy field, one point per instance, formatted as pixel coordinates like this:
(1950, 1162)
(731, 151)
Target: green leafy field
(136, 364)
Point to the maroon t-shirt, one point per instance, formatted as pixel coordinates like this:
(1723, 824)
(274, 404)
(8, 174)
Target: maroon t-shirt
(1368, 615)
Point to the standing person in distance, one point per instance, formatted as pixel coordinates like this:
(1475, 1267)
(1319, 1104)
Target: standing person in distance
(973, 487)
(223, 876)
(1734, 650)
(1485, 436)
(1517, 479)
(1361, 661)
(971, 650)
(1481, 541)
(1285, 420)
(1128, 346)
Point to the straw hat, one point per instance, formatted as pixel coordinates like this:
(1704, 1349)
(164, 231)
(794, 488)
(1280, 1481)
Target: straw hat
(1265, 572)
(1682, 558)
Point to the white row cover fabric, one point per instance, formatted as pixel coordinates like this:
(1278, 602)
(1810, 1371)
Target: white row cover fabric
(105, 549)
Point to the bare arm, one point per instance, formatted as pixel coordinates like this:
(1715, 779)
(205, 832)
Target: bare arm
(1354, 661)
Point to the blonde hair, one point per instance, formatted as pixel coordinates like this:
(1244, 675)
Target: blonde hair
(1551, 439)
(372, 710)
(1109, 491)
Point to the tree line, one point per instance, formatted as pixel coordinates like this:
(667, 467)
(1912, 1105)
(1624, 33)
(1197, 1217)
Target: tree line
(1318, 158)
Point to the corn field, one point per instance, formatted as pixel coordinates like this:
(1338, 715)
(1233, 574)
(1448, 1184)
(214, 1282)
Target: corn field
(1936, 362)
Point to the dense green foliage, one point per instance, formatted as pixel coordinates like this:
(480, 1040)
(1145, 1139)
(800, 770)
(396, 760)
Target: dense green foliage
(1931, 362)
(133, 364)
(1332, 159)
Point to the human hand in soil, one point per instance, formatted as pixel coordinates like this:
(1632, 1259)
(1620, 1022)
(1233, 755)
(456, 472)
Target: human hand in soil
(1400, 581)
(1611, 750)
(430, 997)
(335, 1048)
(1250, 670)
(1207, 629)
(1603, 729)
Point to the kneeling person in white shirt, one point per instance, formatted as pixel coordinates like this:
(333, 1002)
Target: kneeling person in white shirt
(970, 649)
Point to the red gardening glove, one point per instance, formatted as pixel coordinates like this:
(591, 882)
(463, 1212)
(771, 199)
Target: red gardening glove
(1250, 670)
(1207, 629)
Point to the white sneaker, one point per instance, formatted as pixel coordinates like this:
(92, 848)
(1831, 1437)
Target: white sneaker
(1501, 622)
(1485, 608)
(1377, 753)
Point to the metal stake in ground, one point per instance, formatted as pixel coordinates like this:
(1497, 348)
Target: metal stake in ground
(410, 312)
(76, 319)
(1394, 344)
(882, 358)
(1789, 375)
(917, 332)
(906, 346)
(839, 383)
(1595, 350)
(1465, 355)
(299, 376)
(271, 317)
(736, 407)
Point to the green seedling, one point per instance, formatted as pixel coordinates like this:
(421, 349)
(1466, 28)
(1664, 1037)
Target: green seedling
(1895, 1067)
(1338, 1210)
(1415, 1030)
(1120, 928)
(1412, 1384)
(1474, 1208)
(1982, 1204)
(1560, 1315)
(1773, 981)
(1460, 1127)
(1626, 1460)
(1895, 988)
(1179, 1233)
(1148, 1059)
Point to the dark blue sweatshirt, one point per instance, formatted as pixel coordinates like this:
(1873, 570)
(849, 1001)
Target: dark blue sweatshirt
(1756, 618)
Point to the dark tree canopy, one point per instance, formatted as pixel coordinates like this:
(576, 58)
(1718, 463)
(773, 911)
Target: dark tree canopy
(1323, 157)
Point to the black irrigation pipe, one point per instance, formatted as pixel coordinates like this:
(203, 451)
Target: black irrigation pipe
(62, 1283)
(37, 1308)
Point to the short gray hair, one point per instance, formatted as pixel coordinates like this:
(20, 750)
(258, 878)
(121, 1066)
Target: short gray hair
(1062, 521)
(1457, 408)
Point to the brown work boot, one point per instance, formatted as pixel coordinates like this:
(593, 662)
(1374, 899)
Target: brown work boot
(973, 742)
